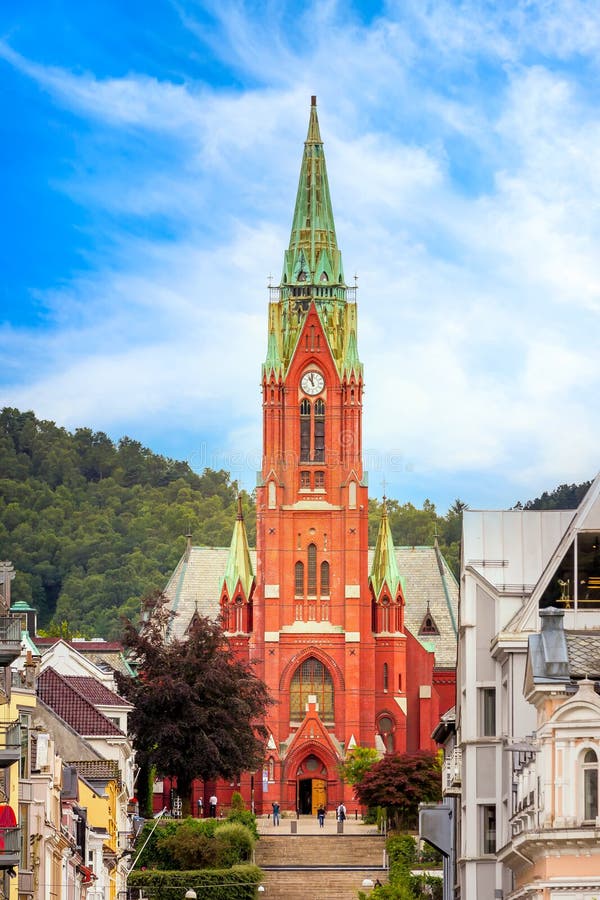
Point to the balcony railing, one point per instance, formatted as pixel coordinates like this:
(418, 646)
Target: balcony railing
(10, 744)
(126, 840)
(10, 639)
(452, 771)
(10, 847)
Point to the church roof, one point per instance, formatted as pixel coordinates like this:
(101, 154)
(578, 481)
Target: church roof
(427, 581)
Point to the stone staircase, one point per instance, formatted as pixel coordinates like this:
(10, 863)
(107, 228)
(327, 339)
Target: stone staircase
(318, 867)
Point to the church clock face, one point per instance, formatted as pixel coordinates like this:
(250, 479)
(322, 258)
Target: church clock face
(312, 383)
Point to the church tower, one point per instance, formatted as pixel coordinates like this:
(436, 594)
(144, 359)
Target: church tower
(356, 646)
(317, 616)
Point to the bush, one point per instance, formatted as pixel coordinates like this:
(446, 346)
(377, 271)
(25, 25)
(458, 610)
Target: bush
(190, 848)
(237, 802)
(402, 853)
(158, 852)
(234, 844)
(246, 818)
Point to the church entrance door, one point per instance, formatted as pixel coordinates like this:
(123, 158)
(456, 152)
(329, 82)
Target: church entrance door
(312, 792)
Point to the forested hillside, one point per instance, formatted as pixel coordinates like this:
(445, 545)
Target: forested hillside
(92, 526)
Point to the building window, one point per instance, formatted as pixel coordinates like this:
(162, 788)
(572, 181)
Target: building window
(385, 677)
(325, 579)
(319, 480)
(312, 570)
(25, 722)
(488, 829)
(590, 786)
(386, 730)
(311, 679)
(299, 579)
(319, 431)
(488, 711)
(305, 480)
(352, 495)
(305, 415)
(271, 769)
(24, 824)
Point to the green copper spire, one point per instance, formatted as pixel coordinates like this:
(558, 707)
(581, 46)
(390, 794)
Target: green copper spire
(312, 273)
(313, 255)
(239, 567)
(384, 570)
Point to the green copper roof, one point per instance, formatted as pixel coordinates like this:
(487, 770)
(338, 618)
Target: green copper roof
(313, 256)
(239, 566)
(22, 606)
(384, 569)
(312, 272)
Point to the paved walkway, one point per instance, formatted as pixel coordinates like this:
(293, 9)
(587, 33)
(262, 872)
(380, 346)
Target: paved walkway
(310, 825)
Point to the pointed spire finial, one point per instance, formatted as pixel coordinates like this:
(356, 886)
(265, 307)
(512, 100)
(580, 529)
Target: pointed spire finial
(240, 511)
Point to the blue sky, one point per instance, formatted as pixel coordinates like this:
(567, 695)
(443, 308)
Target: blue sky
(149, 156)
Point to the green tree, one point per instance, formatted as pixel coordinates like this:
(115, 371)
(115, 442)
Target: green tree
(357, 764)
(197, 709)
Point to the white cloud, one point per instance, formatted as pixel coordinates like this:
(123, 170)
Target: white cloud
(480, 292)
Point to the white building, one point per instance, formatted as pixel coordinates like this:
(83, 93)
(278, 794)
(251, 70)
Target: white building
(515, 564)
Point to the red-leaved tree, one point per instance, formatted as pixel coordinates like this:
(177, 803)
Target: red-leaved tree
(199, 711)
(399, 782)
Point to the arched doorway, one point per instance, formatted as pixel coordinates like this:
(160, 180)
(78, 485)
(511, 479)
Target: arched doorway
(311, 786)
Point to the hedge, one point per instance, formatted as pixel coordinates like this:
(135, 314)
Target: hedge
(238, 883)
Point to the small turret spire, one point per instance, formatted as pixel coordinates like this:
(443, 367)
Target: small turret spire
(384, 569)
(239, 565)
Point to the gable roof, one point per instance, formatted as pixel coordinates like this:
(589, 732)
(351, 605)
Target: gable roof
(107, 655)
(94, 770)
(427, 581)
(75, 709)
(95, 692)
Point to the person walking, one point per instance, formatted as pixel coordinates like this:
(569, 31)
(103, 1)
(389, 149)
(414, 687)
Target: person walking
(321, 816)
(341, 812)
(275, 806)
(212, 803)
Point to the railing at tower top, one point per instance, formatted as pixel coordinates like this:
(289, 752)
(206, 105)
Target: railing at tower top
(312, 291)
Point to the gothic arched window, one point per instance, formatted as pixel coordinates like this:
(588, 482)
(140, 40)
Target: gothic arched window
(311, 678)
(299, 579)
(386, 730)
(305, 417)
(319, 431)
(385, 677)
(325, 579)
(311, 587)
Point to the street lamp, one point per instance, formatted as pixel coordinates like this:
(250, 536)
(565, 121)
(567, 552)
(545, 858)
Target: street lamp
(368, 883)
(261, 889)
(190, 895)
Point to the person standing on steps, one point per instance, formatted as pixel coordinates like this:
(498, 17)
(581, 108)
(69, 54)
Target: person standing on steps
(321, 816)
(212, 803)
(275, 806)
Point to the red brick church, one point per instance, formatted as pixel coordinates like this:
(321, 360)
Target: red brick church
(356, 645)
